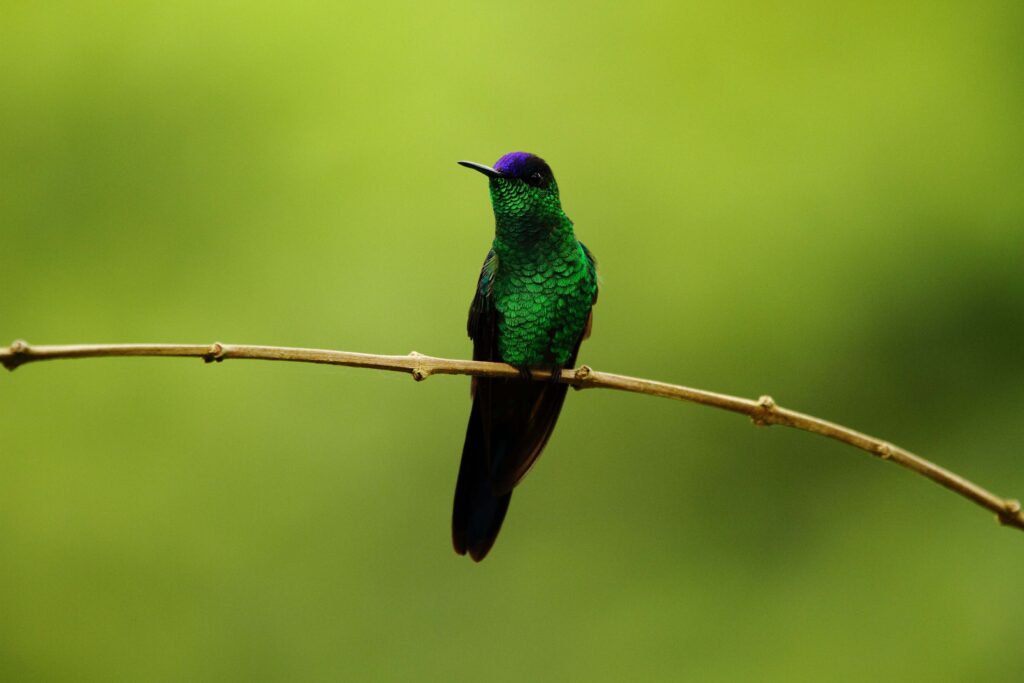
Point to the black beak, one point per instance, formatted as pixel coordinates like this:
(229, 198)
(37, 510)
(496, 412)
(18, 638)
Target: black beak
(486, 170)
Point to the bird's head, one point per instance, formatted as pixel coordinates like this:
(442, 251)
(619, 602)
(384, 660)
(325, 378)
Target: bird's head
(522, 187)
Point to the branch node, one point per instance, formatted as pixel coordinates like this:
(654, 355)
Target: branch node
(216, 353)
(767, 405)
(884, 451)
(581, 375)
(1011, 514)
(19, 351)
(419, 372)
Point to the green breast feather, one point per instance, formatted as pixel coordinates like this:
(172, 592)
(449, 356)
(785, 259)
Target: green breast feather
(543, 301)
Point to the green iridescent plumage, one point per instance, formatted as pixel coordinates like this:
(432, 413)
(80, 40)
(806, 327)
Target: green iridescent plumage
(544, 281)
(531, 309)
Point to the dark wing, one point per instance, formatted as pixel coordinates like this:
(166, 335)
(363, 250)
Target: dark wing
(592, 269)
(478, 513)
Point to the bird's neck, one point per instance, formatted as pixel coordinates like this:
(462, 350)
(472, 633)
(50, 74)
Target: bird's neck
(518, 239)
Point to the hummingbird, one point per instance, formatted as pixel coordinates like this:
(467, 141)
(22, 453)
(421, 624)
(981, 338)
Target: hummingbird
(532, 308)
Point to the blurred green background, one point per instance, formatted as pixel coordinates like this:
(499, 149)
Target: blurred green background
(821, 202)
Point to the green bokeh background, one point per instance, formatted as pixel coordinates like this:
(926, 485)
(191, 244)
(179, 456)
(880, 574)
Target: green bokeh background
(821, 201)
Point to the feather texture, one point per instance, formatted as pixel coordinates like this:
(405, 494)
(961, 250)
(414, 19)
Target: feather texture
(531, 309)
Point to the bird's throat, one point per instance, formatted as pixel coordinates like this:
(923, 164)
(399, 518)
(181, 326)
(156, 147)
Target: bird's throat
(522, 239)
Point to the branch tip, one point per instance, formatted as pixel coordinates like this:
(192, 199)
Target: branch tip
(19, 350)
(1012, 516)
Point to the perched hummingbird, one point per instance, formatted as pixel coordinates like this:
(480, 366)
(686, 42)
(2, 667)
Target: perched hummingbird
(532, 308)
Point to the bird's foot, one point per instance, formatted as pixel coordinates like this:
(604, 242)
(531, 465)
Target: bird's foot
(556, 374)
(526, 373)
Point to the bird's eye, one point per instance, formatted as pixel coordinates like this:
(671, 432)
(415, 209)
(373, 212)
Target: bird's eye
(536, 179)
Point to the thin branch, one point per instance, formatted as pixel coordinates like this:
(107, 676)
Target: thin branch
(763, 411)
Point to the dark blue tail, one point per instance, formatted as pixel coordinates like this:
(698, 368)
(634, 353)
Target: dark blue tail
(478, 511)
